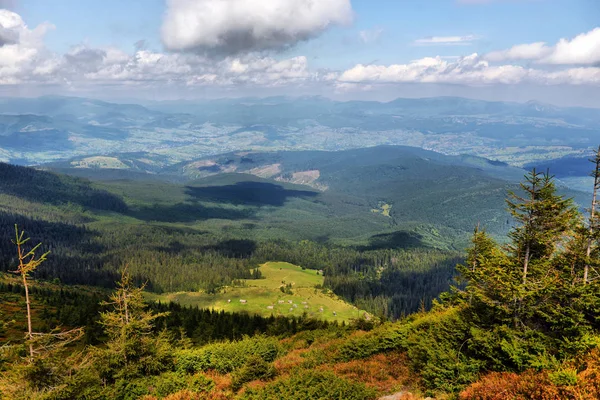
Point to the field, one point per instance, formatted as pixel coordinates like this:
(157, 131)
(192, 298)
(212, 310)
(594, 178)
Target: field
(262, 294)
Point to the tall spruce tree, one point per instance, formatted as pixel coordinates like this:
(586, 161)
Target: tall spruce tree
(132, 349)
(543, 217)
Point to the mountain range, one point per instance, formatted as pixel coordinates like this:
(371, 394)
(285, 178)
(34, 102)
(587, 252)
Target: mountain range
(51, 128)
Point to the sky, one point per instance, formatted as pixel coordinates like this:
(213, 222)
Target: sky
(513, 50)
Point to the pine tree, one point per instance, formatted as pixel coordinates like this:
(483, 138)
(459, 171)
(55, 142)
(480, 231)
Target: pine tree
(543, 217)
(489, 280)
(132, 349)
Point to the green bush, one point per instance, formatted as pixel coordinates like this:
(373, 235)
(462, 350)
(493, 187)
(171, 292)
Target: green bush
(160, 386)
(255, 368)
(309, 385)
(564, 377)
(385, 338)
(228, 356)
(437, 345)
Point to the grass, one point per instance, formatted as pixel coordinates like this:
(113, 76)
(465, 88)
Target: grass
(384, 209)
(262, 294)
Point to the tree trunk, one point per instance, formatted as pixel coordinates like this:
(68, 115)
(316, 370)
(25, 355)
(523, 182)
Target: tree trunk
(526, 263)
(27, 301)
(29, 327)
(588, 253)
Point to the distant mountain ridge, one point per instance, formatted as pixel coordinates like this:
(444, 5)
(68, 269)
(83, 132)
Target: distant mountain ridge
(45, 129)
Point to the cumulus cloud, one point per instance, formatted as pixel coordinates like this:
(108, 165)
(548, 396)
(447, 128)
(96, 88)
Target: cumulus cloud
(239, 26)
(583, 49)
(24, 60)
(10, 26)
(445, 40)
(530, 51)
(21, 48)
(468, 70)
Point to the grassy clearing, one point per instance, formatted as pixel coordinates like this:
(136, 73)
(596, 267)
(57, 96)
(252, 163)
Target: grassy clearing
(264, 296)
(383, 209)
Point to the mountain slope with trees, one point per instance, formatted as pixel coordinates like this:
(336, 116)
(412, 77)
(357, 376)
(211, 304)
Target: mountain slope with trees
(522, 322)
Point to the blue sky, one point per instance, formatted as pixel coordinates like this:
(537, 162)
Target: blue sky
(357, 48)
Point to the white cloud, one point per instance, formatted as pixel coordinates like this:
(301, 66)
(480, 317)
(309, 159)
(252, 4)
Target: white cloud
(370, 36)
(239, 26)
(10, 26)
(583, 49)
(530, 51)
(25, 61)
(21, 48)
(446, 40)
(469, 70)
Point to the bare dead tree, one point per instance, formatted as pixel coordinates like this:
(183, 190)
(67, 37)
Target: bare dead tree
(28, 262)
(592, 223)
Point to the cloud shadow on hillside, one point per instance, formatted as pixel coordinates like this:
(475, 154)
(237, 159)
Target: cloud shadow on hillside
(250, 193)
(187, 212)
(395, 240)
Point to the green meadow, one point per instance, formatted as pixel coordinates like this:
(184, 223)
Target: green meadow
(265, 296)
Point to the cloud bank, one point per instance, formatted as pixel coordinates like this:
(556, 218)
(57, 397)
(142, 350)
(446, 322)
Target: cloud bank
(469, 70)
(230, 27)
(584, 49)
(25, 61)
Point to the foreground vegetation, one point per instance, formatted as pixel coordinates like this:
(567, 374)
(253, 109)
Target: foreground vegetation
(523, 321)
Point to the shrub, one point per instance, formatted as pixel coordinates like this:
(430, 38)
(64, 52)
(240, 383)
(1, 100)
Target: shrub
(563, 384)
(160, 386)
(564, 377)
(228, 356)
(254, 369)
(385, 338)
(309, 385)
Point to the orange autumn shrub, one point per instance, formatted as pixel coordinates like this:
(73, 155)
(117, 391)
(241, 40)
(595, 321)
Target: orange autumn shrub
(384, 372)
(291, 360)
(539, 385)
(181, 395)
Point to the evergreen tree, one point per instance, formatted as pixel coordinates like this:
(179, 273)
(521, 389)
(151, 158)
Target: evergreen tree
(132, 349)
(542, 217)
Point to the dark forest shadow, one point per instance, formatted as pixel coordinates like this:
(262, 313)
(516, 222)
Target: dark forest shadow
(234, 248)
(186, 212)
(252, 193)
(395, 240)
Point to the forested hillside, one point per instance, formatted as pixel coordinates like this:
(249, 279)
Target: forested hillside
(212, 233)
(521, 322)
